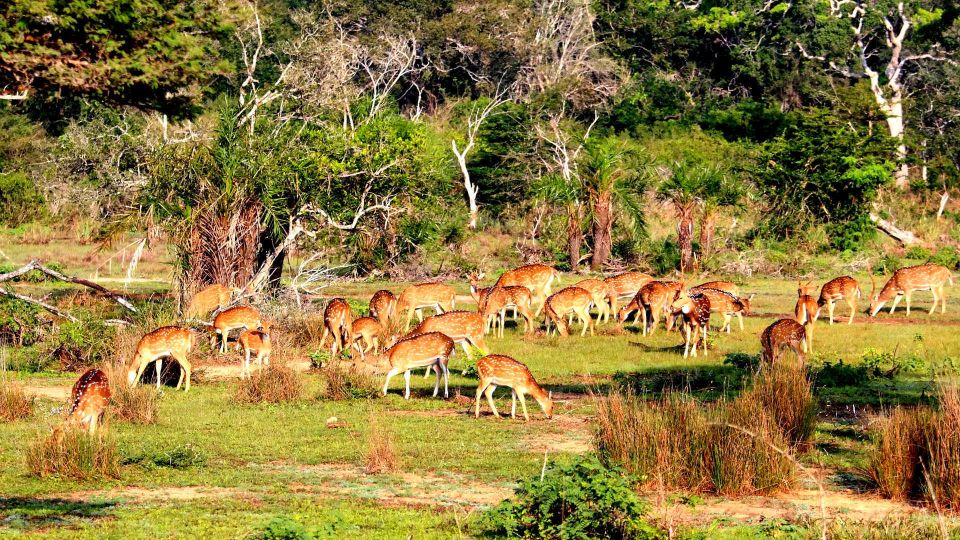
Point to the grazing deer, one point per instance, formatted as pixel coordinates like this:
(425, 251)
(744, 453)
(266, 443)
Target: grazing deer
(256, 341)
(208, 299)
(498, 299)
(726, 304)
(383, 307)
(462, 327)
(417, 351)
(564, 301)
(650, 301)
(366, 332)
(500, 370)
(89, 400)
(806, 311)
(416, 298)
(338, 323)
(694, 307)
(536, 277)
(600, 292)
(925, 277)
(171, 341)
(231, 319)
(625, 285)
(726, 286)
(841, 288)
(783, 334)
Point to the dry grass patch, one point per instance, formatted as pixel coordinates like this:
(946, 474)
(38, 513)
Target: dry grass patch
(138, 404)
(338, 384)
(786, 393)
(72, 453)
(15, 404)
(381, 455)
(272, 384)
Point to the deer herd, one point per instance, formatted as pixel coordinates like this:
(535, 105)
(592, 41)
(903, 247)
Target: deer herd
(526, 291)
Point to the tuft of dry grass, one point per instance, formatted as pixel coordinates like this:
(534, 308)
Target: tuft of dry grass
(15, 404)
(339, 384)
(72, 453)
(138, 404)
(916, 453)
(273, 384)
(381, 455)
(786, 393)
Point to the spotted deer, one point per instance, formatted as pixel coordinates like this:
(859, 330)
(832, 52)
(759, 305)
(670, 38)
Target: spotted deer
(208, 299)
(569, 299)
(600, 293)
(417, 351)
(501, 370)
(171, 341)
(925, 277)
(498, 299)
(536, 277)
(235, 318)
(783, 334)
(383, 307)
(415, 298)
(841, 288)
(806, 311)
(726, 286)
(726, 304)
(625, 285)
(89, 400)
(338, 323)
(256, 342)
(366, 332)
(652, 300)
(463, 327)
(694, 308)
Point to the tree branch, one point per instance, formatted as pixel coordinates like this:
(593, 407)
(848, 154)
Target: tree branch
(35, 265)
(48, 307)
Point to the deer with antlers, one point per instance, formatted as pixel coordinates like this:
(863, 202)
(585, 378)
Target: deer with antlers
(366, 332)
(338, 323)
(258, 342)
(208, 299)
(167, 341)
(694, 309)
(89, 400)
(233, 319)
(902, 284)
(498, 299)
(415, 298)
(383, 307)
(501, 370)
(416, 351)
(569, 299)
(783, 334)
(536, 277)
(840, 288)
(600, 292)
(726, 304)
(625, 285)
(650, 302)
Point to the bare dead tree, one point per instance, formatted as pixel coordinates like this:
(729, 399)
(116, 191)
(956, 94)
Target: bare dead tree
(253, 95)
(384, 67)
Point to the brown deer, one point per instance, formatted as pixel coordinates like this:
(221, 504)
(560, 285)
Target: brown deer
(694, 308)
(841, 288)
(650, 301)
(208, 299)
(257, 341)
(366, 332)
(625, 285)
(416, 298)
(925, 277)
(806, 311)
(726, 304)
(171, 341)
(338, 323)
(566, 300)
(417, 351)
(726, 286)
(463, 327)
(536, 277)
(600, 292)
(234, 318)
(500, 370)
(783, 334)
(383, 307)
(498, 299)
(89, 400)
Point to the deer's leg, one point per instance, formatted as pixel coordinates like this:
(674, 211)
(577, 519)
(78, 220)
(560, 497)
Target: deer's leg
(224, 334)
(908, 296)
(480, 388)
(185, 369)
(386, 383)
(933, 291)
(943, 300)
(437, 368)
(159, 365)
(406, 379)
(896, 300)
(489, 393)
(523, 405)
(246, 363)
(686, 340)
(513, 402)
(140, 370)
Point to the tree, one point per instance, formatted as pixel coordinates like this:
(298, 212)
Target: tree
(683, 189)
(718, 192)
(478, 114)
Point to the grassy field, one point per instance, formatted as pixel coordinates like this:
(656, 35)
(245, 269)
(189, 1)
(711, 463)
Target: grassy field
(212, 468)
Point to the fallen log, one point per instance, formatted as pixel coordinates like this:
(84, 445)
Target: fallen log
(23, 298)
(905, 237)
(35, 265)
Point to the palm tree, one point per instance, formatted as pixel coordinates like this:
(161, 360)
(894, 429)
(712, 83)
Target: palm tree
(719, 192)
(684, 189)
(555, 190)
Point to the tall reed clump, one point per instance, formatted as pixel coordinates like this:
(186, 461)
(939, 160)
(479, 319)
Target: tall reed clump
(72, 453)
(272, 384)
(135, 404)
(916, 453)
(785, 391)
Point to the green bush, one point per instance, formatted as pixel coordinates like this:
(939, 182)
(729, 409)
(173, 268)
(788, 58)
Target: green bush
(82, 344)
(20, 200)
(838, 375)
(577, 499)
(947, 256)
(281, 528)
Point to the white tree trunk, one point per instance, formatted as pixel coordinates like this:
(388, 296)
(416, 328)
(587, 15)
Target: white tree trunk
(892, 107)
(468, 185)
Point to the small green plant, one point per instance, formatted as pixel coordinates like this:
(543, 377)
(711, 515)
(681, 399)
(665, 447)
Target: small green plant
(182, 456)
(839, 374)
(281, 528)
(20, 200)
(576, 499)
(340, 384)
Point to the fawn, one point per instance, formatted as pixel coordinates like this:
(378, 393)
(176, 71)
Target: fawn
(650, 301)
(259, 341)
(383, 307)
(500, 370)
(462, 327)
(783, 334)
(234, 318)
(338, 323)
(806, 311)
(694, 308)
(366, 332)
(171, 341)
(840, 288)
(600, 293)
(498, 299)
(536, 277)
(89, 400)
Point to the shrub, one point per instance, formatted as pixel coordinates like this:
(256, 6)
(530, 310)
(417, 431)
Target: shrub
(785, 392)
(72, 453)
(281, 528)
(916, 453)
(20, 200)
(837, 375)
(577, 499)
(138, 404)
(273, 384)
(339, 384)
(381, 456)
(15, 404)
(80, 345)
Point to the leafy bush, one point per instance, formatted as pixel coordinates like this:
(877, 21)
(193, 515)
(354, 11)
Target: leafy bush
(273, 384)
(15, 404)
(837, 375)
(947, 256)
(19, 322)
(20, 200)
(80, 345)
(72, 453)
(577, 499)
(281, 528)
